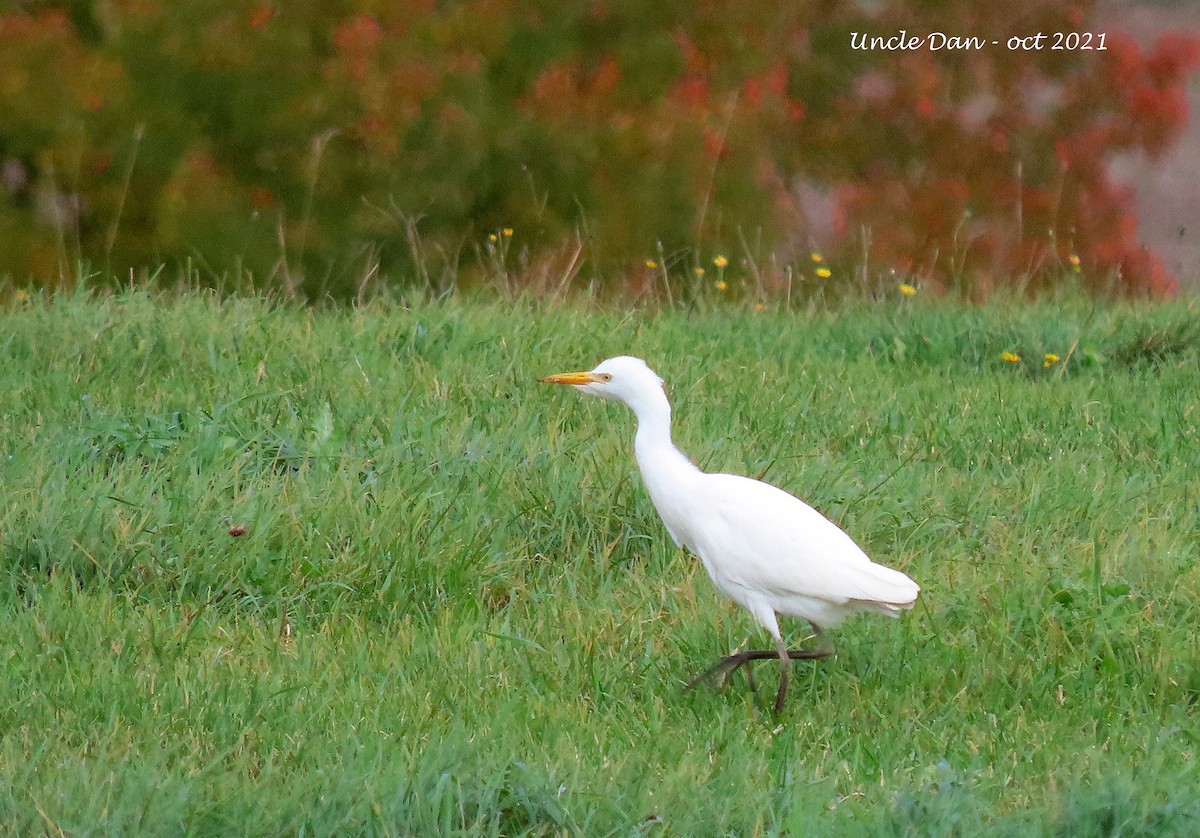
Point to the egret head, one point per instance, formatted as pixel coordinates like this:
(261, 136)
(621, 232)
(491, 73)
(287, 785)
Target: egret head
(624, 378)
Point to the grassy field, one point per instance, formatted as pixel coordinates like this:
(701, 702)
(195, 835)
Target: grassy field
(268, 570)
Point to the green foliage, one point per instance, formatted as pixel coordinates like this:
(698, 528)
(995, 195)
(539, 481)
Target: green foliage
(312, 147)
(270, 570)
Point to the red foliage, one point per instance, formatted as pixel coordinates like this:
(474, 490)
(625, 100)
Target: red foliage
(260, 15)
(1000, 169)
(690, 128)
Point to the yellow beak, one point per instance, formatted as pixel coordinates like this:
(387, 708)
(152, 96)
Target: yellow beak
(570, 378)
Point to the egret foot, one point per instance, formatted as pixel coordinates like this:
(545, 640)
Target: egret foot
(729, 664)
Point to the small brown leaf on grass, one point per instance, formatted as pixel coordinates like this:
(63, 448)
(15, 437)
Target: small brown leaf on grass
(237, 530)
(285, 626)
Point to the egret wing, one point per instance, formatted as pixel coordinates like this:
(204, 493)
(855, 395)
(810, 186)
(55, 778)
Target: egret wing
(761, 538)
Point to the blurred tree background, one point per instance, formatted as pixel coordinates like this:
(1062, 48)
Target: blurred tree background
(319, 147)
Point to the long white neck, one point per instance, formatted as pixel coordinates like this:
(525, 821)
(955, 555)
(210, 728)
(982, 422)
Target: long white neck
(666, 472)
(652, 444)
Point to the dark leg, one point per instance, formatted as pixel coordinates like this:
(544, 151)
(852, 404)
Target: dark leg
(726, 666)
(823, 642)
(785, 674)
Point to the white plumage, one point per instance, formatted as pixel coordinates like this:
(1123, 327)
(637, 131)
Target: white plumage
(764, 548)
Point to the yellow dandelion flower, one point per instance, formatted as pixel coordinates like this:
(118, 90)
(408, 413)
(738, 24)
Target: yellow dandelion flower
(817, 257)
(908, 290)
(760, 307)
(492, 237)
(823, 272)
(507, 231)
(721, 284)
(1010, 357)
(651, 264)
(698, 271)
(720, 261)
(1073, 259)
(22, 295)
(1049, 360)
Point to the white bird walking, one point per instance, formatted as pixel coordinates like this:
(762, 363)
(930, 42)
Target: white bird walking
(767, 550)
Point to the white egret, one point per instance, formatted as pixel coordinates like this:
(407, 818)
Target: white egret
(767, 550)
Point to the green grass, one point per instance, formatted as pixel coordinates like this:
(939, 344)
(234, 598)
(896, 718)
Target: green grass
(453, 608)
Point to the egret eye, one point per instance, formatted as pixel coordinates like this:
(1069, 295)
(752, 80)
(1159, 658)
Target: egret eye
(606, 376)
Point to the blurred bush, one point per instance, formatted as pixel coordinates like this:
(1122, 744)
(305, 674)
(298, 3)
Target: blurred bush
(315, 145)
